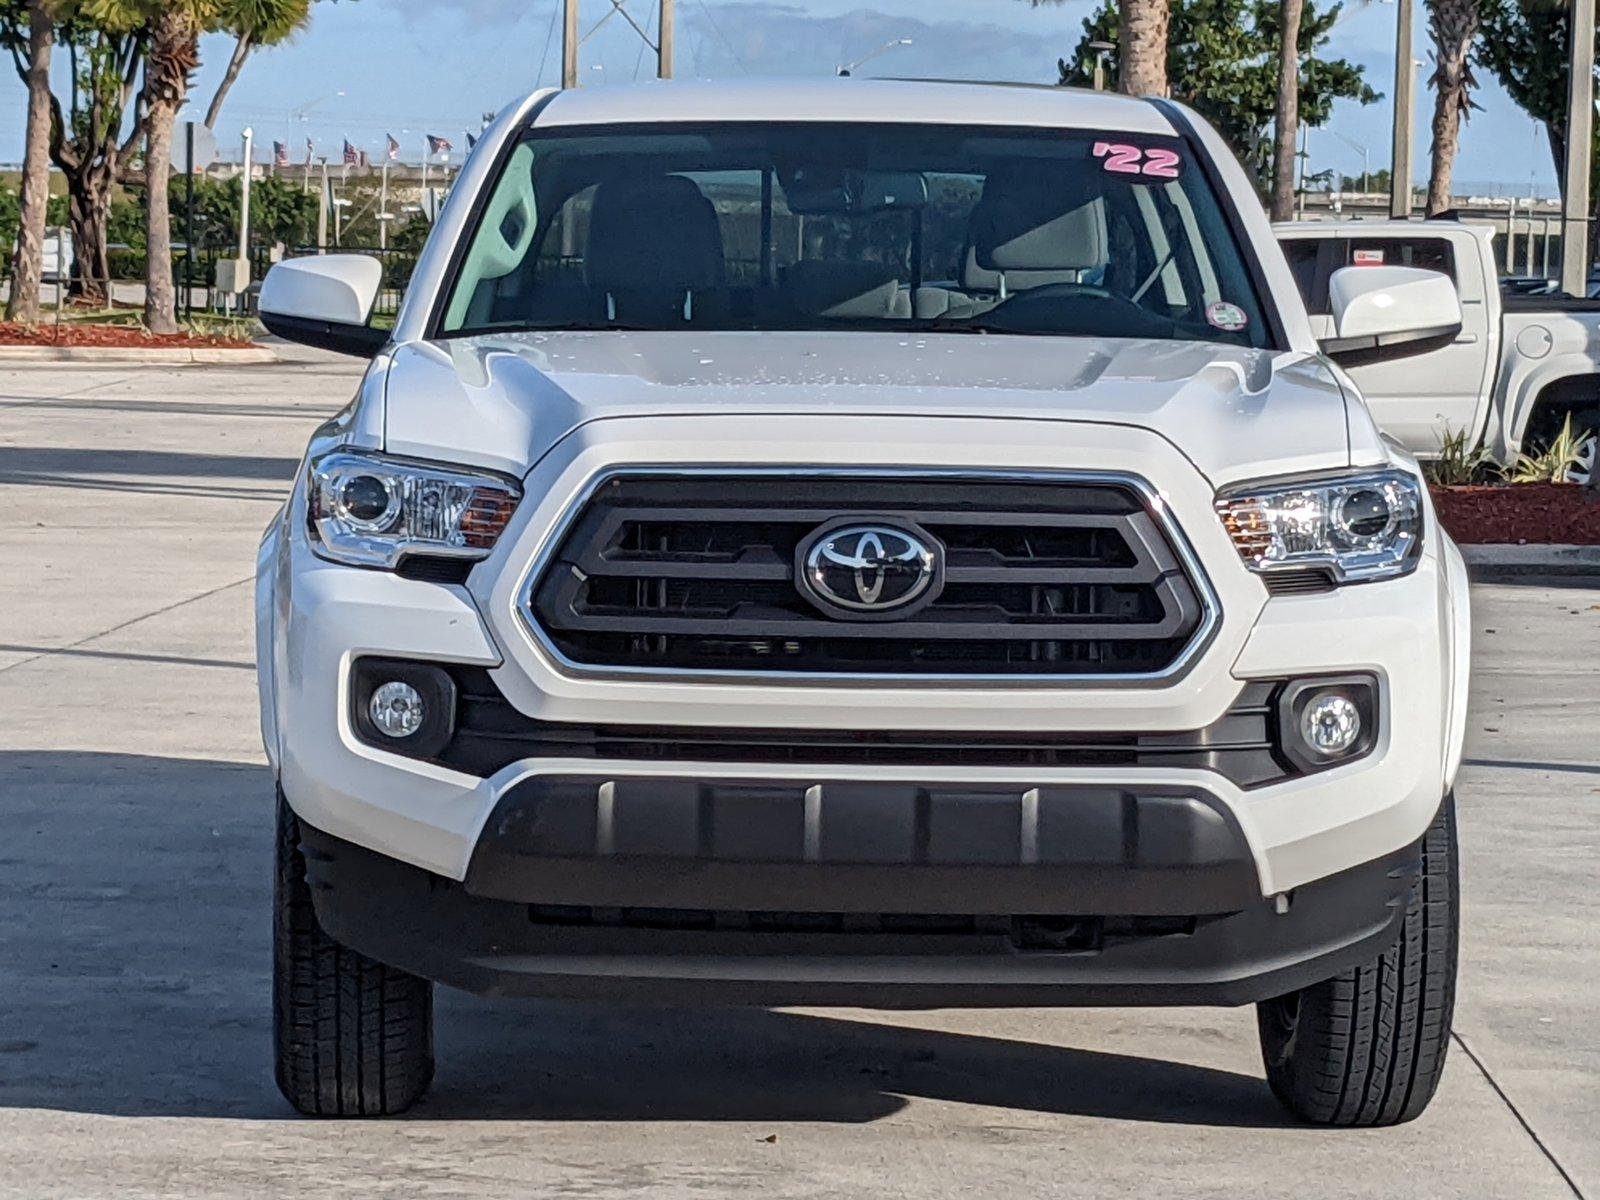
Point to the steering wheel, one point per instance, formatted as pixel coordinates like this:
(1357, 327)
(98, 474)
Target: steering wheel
(1078, 308)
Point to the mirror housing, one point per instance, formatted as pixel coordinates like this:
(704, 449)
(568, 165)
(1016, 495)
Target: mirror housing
(1381, 313)
(326, 301)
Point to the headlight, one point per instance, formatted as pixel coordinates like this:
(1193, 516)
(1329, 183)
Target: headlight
(371, 511)
(1357, 527)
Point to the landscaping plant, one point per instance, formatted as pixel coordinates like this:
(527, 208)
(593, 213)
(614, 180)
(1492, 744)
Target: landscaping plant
(1461, 461)
(1556, 462)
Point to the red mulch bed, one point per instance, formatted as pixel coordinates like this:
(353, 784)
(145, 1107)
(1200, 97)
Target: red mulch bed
(119, 336)
(1537, 513)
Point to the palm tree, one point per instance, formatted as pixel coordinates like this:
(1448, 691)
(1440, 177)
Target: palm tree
(28, 265)
(1142, 47)
(255, 23)
(1287, 123)
(174, 54)
(1453, 25)
(1142, 27)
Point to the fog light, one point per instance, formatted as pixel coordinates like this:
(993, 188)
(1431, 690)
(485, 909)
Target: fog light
(1330, 724)
(397, 709)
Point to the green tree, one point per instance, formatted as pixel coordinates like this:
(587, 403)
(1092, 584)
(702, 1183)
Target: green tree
(1524, 43)
(174, 54)
(28, 234)
(89, 139)
(1376, 182)
(1453, 26)
(1222, 60)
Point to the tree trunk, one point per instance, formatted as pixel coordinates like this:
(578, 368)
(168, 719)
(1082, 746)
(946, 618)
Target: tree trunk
(1287, 126)
(241, 51)
(89, 211)
(1453, 25)
(28, 265)
(160, 298)
(174, 55)
(1142, 47)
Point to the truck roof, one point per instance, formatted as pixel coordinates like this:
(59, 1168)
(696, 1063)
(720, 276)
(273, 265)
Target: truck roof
(908, 101)
(1385, 229)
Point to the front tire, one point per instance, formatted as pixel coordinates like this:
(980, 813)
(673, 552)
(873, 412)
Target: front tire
(351, 1037)
(1367, 1047)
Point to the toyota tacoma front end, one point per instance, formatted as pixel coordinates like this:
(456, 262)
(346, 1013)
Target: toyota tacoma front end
(792, 558)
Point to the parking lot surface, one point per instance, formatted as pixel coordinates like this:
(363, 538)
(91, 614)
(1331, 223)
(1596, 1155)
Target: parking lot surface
(135, 843)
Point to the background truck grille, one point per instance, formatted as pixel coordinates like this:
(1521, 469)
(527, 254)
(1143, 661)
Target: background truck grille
(696, 573)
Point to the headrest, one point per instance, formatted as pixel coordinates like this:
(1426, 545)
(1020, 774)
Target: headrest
(975, 279)
(838, 288)
(655, 233)
(1038, 219)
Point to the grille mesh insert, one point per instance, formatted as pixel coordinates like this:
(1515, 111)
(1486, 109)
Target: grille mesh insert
(697, 573)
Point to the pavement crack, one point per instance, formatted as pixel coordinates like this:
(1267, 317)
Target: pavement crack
(94, 637)
(1516, 1112)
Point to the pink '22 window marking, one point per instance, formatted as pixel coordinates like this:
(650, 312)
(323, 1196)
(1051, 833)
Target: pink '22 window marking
(1134, 160)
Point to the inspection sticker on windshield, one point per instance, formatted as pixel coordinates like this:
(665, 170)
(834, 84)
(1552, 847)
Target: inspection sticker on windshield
(1136, 160)
(1229, 318)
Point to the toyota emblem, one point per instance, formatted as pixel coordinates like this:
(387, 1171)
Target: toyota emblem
(867, 570)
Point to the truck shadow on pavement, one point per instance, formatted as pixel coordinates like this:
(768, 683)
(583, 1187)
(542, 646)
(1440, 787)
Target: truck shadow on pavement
(135, 971)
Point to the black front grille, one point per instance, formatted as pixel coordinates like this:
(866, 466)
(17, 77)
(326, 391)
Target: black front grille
(1055, 934)
(491, 734)
(696, 573)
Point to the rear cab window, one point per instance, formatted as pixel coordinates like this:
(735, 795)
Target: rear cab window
(1313, 260)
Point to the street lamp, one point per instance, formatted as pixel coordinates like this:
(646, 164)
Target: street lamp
(849, 68)
(1102, 51)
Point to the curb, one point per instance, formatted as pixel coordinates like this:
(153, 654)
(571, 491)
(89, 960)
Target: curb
(1531, 564)
(134, 355)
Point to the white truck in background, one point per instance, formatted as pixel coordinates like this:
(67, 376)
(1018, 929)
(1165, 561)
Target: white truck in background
(1519, 367)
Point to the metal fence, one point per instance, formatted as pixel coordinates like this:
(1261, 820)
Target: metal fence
(197, 276)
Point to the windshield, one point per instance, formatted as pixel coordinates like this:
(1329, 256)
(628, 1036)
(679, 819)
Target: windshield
(825, 227)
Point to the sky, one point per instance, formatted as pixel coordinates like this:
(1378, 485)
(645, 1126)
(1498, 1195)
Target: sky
(365, 68)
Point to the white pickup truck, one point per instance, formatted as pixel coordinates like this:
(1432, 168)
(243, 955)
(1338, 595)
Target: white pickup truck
(1520, 366)
(869, 543)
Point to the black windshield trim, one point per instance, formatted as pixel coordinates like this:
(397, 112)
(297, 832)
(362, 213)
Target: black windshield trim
(1266, 301)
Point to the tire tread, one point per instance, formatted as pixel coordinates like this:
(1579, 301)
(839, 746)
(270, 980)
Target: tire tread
(1369, 1045)
(352, 1037)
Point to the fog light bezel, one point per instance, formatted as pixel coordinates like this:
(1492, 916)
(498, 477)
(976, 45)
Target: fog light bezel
(1296, 695)
(432, 683)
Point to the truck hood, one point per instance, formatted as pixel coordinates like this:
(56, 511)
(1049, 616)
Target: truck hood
(502, 400)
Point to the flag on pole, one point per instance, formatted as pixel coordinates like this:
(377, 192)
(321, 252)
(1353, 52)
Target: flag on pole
(311, 151)
(439, 145)
(280, 154)
(350, 155)
(394, 147)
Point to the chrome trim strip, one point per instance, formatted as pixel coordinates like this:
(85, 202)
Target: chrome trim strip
(1155, 505)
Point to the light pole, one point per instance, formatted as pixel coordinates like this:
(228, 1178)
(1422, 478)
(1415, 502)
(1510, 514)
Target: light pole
(1580, 145)
(1102, 51)
(1404, 106)
(849, 68)
(244, 195)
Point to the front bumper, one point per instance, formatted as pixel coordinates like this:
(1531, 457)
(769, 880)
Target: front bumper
(492, 935)
(316, 619)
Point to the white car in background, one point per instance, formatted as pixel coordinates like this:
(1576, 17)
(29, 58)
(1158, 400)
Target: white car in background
(870, 543)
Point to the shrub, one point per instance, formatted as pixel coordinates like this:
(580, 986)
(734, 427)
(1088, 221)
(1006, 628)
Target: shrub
(1553, 464)
(1459, 461)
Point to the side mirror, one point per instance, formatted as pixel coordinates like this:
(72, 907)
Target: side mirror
(1390, 312)
(324, 300)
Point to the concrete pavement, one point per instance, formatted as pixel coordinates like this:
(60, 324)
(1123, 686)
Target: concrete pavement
(135, 844)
